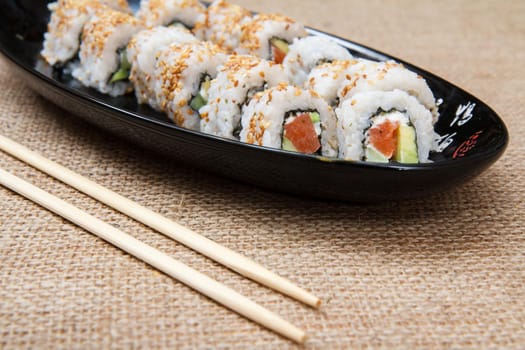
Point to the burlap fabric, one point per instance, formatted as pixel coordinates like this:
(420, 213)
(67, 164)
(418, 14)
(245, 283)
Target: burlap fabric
(440, 272)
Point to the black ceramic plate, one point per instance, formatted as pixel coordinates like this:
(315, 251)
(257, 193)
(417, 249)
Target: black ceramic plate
(474, 137)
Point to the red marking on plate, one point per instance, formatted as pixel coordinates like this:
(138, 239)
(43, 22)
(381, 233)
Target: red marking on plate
(466, 146)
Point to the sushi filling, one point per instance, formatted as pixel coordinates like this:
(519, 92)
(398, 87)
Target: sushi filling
(122, 72)
(179, 24)
(391, 137)
(201, 98)
(249, 95)
(302, 132)
(252, 91)
(279, 49)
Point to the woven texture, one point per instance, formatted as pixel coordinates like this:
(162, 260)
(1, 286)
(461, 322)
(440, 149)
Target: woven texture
(441, 272)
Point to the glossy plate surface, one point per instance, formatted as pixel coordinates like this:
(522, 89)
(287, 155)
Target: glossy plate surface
(473, 136)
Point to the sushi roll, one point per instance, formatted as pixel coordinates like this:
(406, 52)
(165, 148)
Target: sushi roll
(380, 126)
(186, 13)
(121, 5)
(222, 24)
(237, 81)
(68, 17)
(327, 78)
(142, 54)
(292, 119)
(183, 73)
(103, 60)
(269, 35)
(307, 53)
(369, 75)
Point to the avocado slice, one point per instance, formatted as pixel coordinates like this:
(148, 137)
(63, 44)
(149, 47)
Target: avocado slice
(280, 44)
(124, 66)
(373, 155)
(316, 118)
(406, 150)
(287, 145)
(205, 86)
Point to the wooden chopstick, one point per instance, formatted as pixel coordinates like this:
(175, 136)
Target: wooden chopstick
(183, 273)
(189, 238)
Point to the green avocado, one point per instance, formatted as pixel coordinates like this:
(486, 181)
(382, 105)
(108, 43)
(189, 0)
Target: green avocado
(280, 44)
(206, 85)
(406, 150)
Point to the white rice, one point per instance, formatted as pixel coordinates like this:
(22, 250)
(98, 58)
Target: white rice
(355, 114)
(326, 79)
(256, 34)
(228, 92)
(62, 39)
(154, 13)
(120, 5)
(262, 120)
(142, 54)
(105, 33)
(222, 24)
(306, 53)
(369, 75)
(178, 73)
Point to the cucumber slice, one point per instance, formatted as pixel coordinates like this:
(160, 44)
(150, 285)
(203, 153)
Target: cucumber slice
(201, 99)
(373, 155)
(122, 72)
(197, 102)
(316, 118)
(287, 145)
(406, 150)
(124, 63)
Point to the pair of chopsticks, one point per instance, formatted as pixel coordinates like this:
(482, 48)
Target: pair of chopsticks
(181, 272)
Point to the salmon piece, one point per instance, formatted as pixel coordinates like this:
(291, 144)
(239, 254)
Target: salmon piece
(302, 135)
(384, 137)
(278, 55)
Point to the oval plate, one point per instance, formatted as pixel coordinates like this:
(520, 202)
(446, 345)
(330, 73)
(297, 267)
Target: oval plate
(473, 136)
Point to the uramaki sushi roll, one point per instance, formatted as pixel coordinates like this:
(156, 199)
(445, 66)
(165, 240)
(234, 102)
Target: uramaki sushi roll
(121, 5)
(154, 13)
(368, 75)
(292, 119)
(327, 78)
(238, 80)
(381, 126)
(68, 17)
(222, 24)
(103, 60)
(142, 53)
(269, 35)
(183, 73)
(309, 52)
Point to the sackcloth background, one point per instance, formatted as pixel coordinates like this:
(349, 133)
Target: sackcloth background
(446, 271)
